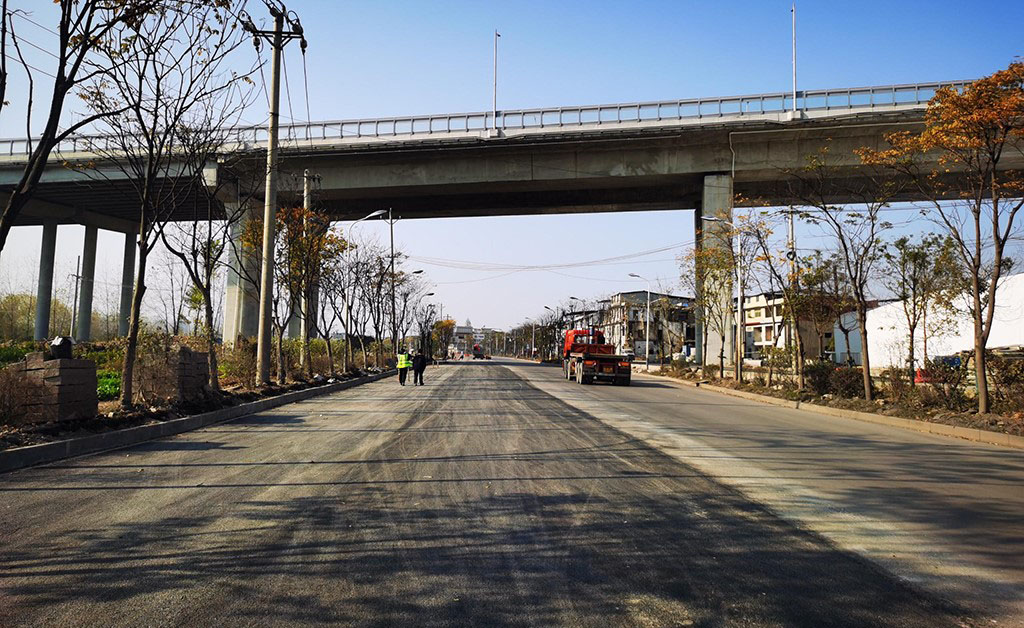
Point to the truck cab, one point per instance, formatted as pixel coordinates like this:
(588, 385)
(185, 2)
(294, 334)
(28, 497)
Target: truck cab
(586, 357)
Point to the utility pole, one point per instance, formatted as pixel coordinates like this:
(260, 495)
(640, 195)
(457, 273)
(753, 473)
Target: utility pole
(277, 40)
(791, 256)
(740, 324)
(308, 298)
(74, 302)
(394, 323)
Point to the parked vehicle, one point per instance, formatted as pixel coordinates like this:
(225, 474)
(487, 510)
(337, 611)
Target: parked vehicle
(586, 358)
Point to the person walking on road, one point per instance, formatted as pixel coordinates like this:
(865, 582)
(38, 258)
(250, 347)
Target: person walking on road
(403, 366)
(419, 364)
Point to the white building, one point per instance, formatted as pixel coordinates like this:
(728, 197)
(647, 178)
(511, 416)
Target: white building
(888, 335)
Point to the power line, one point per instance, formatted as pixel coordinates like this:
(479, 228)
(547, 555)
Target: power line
(31, 21)
(485, 266)
(29, 65)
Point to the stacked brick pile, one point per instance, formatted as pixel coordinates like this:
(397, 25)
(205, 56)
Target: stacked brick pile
(181, 375)
(68, 388)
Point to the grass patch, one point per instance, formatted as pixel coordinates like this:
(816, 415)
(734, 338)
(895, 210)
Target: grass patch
(108, 384)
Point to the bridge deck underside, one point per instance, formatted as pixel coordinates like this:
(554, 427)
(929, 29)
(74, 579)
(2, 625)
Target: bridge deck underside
(117, 200)
(659, 169)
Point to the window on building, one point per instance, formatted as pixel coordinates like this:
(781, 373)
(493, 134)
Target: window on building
(768, 334)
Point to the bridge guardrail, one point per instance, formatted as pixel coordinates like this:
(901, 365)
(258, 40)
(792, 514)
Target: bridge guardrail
(696, 109)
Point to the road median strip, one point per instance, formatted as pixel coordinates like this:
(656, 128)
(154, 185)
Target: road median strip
(32, 455)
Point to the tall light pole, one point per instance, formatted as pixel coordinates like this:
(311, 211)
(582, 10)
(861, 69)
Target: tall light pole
(494, 94)
(348, 295)
(555, 340)
(572, 310)
(647, 324)
(277, 40)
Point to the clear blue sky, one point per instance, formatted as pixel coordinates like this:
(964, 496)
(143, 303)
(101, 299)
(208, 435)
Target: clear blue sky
(369, 59)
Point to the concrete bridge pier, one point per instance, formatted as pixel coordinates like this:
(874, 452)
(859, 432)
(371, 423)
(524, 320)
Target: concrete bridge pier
(716, 204)
(87, 279)
(127, 283)
(241, 301)
(44, 286)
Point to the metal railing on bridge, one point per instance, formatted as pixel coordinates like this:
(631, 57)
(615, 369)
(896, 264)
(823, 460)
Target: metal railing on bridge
(693, 111)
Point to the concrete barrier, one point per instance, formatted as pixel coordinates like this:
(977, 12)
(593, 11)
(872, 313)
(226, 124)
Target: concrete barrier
(21, 457)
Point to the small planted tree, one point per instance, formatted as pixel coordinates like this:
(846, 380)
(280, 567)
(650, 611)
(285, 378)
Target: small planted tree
(856, 228)
(707, 274)
(923, 275)
(958, 164)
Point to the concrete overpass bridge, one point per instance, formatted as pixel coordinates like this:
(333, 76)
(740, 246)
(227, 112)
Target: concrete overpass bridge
(681, 154)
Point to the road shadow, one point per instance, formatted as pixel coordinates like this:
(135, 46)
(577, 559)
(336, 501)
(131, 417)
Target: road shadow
(584, 527)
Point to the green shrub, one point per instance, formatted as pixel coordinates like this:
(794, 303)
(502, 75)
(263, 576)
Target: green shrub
(108, 384)
(846, 382)
(237, 364)
(1007, 379)
(11, 352)
(106, 355)
(898, 386)
(948, 378)
(818, 376)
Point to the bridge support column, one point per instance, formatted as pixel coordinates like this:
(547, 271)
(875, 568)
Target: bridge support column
(241, 303)
(86, 282)
(44, 287)
(296, 321)
(127, 283)
(712, 227)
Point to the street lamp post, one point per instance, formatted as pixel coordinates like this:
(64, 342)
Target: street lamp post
(554, 341)
(572, 311)
(348, 295)
(647, 324)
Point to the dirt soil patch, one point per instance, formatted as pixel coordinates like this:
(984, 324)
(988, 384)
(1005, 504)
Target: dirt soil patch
(1001, 423)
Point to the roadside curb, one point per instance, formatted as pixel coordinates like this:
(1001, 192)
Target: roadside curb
(32, 455)
(941, 429)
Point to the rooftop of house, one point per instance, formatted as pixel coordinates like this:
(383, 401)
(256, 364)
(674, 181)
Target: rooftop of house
(639, 297)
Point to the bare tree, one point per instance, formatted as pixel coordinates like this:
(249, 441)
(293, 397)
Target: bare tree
(856, 228)
(155, 77)
(89, 33)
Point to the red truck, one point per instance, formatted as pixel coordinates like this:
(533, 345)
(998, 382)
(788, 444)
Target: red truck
(586, 357)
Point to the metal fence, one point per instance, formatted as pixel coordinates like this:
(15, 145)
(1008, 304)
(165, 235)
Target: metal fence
(848, 100)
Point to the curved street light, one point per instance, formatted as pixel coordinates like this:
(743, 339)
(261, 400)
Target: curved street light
(647, 324)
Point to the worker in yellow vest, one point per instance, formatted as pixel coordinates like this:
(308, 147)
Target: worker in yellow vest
(404, 362)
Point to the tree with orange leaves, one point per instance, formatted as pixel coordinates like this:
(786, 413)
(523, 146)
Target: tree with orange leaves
(304, 246)
(966, 165)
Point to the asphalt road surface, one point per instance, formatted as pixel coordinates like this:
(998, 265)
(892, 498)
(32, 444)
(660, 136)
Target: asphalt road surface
(479, 499)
